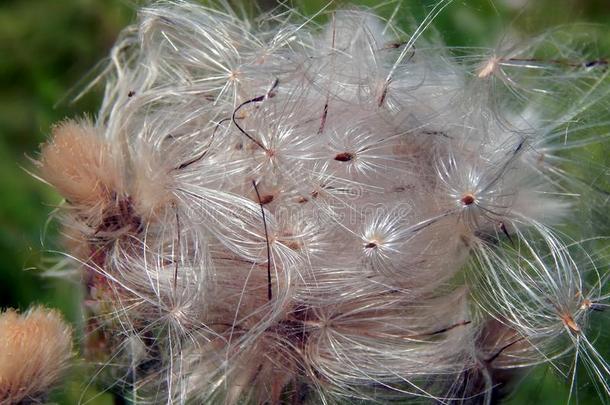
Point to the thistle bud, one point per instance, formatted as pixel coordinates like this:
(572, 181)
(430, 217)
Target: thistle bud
(35, 349)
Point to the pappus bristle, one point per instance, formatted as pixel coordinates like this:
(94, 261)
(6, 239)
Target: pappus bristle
(547, 301)
(288, 211)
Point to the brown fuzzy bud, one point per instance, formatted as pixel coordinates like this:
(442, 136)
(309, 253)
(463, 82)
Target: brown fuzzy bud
(79, 163)
(35, 348)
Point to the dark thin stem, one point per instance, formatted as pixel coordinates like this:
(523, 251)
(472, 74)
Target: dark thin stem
(587, 64)
(506, 346)
(513, 156)
(384, 93)
(448, 328)
(177, 247)
(205, 152)
(325, 111)
(438, 332)
(258, 196)
(258, 99)
(505, 231)
(324, 116)
(386, 84)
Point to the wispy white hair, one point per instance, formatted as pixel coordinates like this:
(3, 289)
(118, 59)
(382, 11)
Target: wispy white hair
(289, 211)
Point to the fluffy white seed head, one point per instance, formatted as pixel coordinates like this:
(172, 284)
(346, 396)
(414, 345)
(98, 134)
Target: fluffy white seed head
(285, 210)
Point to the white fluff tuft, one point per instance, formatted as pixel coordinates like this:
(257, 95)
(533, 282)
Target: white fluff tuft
(280, 212)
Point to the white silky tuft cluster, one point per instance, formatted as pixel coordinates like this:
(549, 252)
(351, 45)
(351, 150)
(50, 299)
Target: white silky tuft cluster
(274, 211)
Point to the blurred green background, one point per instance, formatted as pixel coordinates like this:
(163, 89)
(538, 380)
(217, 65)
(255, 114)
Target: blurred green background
(48, 47)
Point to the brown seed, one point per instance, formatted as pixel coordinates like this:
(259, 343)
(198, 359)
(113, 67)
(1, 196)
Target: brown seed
(292, 244)
(468, 199)
(344, 156)
(489, 68)
(570, 323)
(266, 199)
